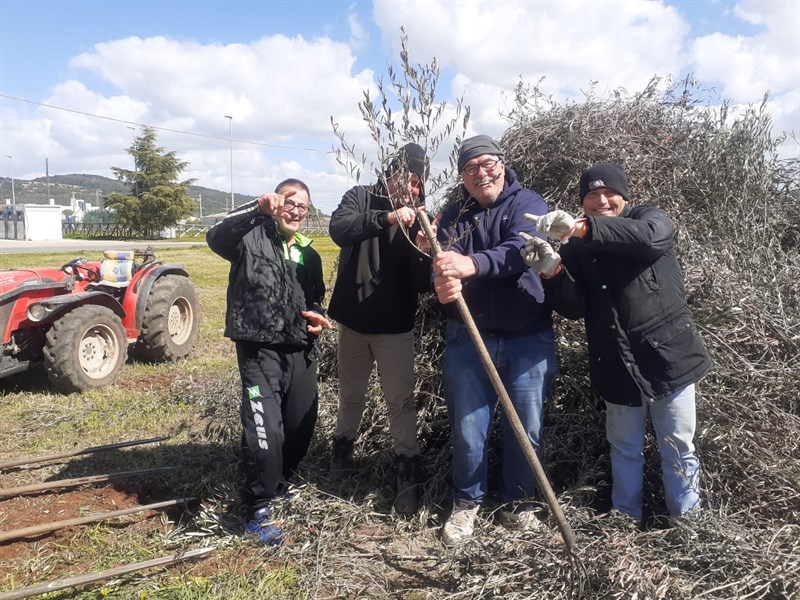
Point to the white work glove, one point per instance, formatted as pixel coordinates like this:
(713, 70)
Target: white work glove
(539, 255)
(557, 225)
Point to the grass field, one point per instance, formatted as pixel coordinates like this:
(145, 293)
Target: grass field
(148, 401)
(344, 540)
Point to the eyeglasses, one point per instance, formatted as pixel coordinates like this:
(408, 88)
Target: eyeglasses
(487, 165)
(301, 209)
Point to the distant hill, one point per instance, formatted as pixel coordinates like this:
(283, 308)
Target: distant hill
(92, 188)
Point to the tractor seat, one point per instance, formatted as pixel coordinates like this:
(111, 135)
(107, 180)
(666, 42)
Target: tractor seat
(117, 268)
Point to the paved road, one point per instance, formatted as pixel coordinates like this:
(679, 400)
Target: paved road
(77, 246)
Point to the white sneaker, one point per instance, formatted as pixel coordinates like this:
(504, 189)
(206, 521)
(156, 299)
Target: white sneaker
(460, 524)
(521, 519)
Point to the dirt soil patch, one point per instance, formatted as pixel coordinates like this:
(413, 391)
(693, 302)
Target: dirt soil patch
(27, 511)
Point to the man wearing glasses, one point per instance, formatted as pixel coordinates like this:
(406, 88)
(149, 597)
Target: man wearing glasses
(374, 300)
(479, 235)
(274, 315)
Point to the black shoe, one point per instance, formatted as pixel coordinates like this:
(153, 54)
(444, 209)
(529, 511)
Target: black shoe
(341, 459)
(407, 502)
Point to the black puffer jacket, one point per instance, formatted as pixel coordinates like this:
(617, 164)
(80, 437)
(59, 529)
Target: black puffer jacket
(628, 287)
(266, 291)
(380, 270)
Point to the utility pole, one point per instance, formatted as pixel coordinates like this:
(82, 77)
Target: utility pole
(230, 145)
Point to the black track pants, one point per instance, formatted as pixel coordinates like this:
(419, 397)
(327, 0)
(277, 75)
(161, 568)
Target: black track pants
(279, 411)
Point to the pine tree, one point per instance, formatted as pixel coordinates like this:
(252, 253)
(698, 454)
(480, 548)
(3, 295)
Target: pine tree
(156, 199)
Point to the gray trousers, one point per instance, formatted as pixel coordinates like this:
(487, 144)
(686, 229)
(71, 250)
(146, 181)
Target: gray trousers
(394, 355)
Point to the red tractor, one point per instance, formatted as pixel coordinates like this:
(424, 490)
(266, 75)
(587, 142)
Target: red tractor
(79, 320)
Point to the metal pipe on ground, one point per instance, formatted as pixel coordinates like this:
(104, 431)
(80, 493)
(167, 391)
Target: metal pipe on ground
(71, 582)
(23, 532)
(62, 483)
(69, 453)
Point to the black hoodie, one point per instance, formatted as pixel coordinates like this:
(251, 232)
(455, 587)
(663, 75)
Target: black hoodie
(380, 271)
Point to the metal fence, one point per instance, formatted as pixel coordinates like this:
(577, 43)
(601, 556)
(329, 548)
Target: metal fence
(200, 230)
(109, 230)
(115, 230)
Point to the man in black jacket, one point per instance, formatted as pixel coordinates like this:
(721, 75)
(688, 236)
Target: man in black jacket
(620, 274)
(274, 315)
(380, 274)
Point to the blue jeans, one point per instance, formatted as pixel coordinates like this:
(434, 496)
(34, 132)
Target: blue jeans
(527, 365)
(674, 424)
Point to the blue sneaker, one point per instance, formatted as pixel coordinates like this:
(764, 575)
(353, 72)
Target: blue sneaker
(264, 528)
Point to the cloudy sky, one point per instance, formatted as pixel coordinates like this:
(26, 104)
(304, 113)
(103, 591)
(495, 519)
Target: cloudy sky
(78, 78)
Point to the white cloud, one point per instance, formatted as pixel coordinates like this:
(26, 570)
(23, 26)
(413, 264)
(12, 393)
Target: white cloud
(624, 43)
(283, 89)
(746, 67)
(279, 86)
(359, 37)
(749, 66)
(490, 45)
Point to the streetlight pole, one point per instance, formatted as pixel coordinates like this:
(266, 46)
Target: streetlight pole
(13, 195)
(230, 145)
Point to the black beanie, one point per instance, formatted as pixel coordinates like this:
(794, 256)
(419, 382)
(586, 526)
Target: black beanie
(477, 146)
(411, 157)
(604, 175)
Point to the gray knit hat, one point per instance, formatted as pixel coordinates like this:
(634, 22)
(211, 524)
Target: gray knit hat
(477, 146)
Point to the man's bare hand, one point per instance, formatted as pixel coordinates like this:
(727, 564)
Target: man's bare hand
(271, 203)
(404, 215)
(448, 289)
(316, 322)
(453, 264)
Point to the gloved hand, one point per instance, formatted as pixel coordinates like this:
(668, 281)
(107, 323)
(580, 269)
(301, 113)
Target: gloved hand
(558, 225)
(539, 255)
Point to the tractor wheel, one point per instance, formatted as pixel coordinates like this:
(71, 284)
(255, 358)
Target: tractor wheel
(85, 349)
(171, 321)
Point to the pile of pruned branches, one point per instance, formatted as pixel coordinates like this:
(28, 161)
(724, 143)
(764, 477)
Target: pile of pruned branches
(736, 209)
(735, 205)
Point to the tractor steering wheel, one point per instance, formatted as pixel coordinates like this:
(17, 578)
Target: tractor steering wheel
(75, 267)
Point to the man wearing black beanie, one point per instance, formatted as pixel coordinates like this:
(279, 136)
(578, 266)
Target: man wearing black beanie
(620, 274)
(374, 300)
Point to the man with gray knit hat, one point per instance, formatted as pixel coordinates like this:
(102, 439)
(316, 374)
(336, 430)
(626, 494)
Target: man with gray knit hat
(480, 260)
(620, 274)
(374, 300)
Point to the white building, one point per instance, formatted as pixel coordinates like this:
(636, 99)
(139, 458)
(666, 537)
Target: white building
(42, 222)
